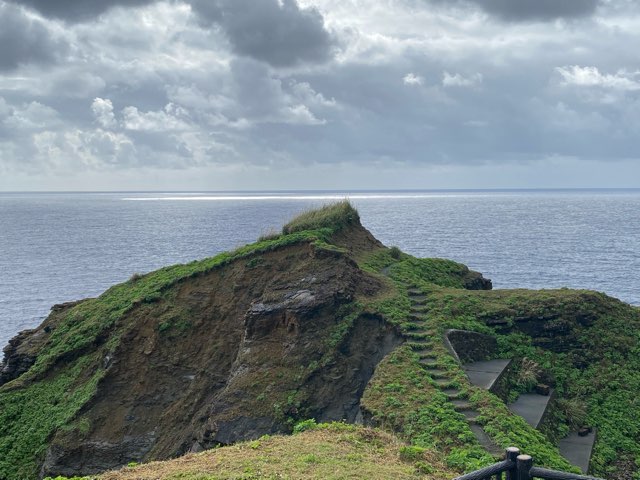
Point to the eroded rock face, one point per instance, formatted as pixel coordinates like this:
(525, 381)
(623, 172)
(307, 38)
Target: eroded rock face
(475, 281)
(22, 350)
(234, 354)
(17, 360)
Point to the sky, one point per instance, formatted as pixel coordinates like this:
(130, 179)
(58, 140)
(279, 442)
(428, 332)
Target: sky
(318, 94)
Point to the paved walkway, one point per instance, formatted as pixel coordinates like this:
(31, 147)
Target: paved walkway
(577, 450)
(531, 407)
(484, 374)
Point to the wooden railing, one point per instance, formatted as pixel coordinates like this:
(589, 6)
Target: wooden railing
(516, 466)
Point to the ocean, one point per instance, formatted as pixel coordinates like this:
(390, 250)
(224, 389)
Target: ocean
(58, 247)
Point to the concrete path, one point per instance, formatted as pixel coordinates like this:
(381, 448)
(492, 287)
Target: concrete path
(577, 450)
(531, 407)
(484, 374)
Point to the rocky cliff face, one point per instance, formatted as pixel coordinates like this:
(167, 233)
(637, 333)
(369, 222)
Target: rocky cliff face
(21, 352)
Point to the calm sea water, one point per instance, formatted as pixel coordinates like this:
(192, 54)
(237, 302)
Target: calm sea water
(60, 247)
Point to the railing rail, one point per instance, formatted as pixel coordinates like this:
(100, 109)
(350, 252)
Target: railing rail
(520, 467)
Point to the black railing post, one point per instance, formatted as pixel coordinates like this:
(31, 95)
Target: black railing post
(523, 465)
(512, 455)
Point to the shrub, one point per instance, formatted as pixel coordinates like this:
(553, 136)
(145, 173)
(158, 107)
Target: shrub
(574, 411)
(135, 277)
(395, 253)
(528, 374)
(269, 235)
(411, 453)
(305, 425)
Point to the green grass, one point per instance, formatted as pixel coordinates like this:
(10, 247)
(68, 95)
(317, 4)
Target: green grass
(30, 416)
(325, 451)
(335, 216)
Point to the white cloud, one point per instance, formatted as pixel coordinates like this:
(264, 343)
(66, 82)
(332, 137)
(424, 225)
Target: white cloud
(412, 79)
(27, 117)
(103, 112)
(458, 80)
(172, 118)
(404, 86)
(591, 77)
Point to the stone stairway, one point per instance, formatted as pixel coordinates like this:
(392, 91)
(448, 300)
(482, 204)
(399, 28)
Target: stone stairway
(421, 338)
(485, 374)
(532, 407)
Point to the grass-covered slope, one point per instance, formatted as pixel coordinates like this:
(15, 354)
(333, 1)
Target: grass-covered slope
(323, 452)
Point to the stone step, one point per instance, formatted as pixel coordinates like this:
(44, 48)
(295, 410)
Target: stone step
(425, 352)
(412, 291)
(418, 309)
(461, 404)
(428, 362)
(437, 373)
(419, 336)
(470, 414)
(422, 332)
(531, 407)
(485, 440)
(418, 322)
(484, 374)
(452, 393)
(442, 382)
(577, 449)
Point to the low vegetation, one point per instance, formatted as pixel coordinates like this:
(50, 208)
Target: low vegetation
(335, 216)
(322, 452)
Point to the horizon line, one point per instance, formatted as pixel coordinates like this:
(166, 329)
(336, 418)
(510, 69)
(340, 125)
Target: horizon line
(341, 190)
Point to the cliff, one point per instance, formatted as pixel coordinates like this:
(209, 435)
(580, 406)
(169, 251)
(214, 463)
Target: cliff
(315, 322)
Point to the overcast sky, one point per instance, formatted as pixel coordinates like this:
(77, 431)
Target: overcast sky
(298, 94)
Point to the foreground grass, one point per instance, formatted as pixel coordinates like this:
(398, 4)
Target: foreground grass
(326, 451)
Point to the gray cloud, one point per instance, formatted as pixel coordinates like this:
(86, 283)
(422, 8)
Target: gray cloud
(279, 33)
(78, 10)
(25, 40)
(411, 89)
(527, 10)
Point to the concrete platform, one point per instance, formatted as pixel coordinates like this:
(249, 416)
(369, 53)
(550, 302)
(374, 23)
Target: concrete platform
(484, 374)
(577, 450)
(531, 407)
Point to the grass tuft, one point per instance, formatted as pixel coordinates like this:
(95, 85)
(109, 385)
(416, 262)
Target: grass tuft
(335, 216)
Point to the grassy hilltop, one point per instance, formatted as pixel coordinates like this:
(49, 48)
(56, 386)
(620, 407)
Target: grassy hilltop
(313, 322)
